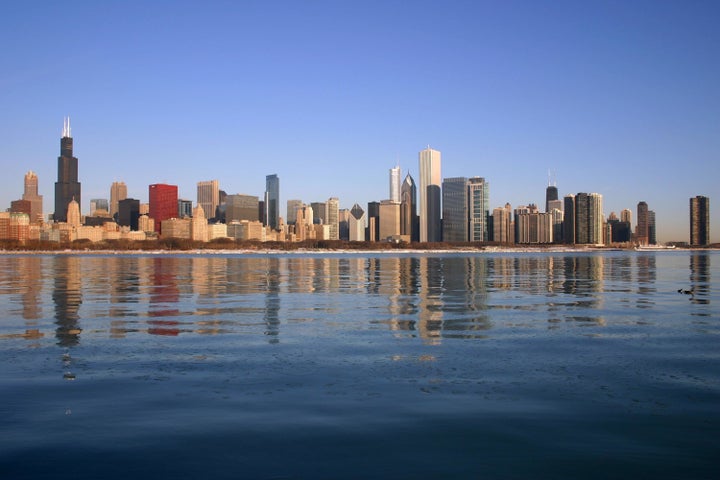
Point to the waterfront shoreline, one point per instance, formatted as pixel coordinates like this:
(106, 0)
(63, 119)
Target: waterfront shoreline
(328, 251)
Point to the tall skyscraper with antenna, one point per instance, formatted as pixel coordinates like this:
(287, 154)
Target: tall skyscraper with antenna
(551, 196)
(395, 184)
(67, 187)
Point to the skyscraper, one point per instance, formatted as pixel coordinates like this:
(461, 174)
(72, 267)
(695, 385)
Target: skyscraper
(699, 221)
(408, 209)
(502, 225)
(208, 196)
(184, 208)
(272, 201)
(292, 208)
(241, 207)
(67, 186)
(395, 184)
(163, 203)
(332, 219)
(430, 179)
(652, 228)
(389, 219)
(129, 213)
(31, 195)
(478, 209)
(641, 231)
(118, 192)
(569, 219)
(551, 195)
(588, 218)
(455, 209)
(320, 212)
(357, 224)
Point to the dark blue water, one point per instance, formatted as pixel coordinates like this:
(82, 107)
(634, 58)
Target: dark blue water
(348, 366)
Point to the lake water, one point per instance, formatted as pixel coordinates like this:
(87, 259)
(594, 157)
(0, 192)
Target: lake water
(522, 365)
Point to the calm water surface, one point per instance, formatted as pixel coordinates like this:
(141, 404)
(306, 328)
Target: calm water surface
(351, 366)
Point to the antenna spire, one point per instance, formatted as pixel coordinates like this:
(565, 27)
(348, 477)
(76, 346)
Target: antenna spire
(66, 128)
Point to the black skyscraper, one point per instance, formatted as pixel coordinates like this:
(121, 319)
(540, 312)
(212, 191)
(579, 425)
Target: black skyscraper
(551, 194)
(67, 186)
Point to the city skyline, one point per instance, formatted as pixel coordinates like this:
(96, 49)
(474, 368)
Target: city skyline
(614, 98)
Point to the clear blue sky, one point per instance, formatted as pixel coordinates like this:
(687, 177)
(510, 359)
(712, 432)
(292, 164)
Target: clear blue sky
(619, 98)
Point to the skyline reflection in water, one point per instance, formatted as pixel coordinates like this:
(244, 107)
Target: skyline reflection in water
(426, 296)
(532, 365)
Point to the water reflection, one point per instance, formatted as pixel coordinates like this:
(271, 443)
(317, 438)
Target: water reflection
(67, 297)
(700, 280)
(429, 297)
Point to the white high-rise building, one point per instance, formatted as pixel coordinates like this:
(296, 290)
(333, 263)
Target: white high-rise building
(429, 193)
(395, 184)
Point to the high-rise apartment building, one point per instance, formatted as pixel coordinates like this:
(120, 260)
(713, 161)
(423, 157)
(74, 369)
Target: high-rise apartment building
(455, 209)
(699, 221)
(30, 194)
(588, 218)
(118, 192)
(332, 218)
(67, 186)
(408, 209)
(208, 196)
(163, 203)
(272, 201)
(569, 219)
(430, 180)
(478, 209)
(395, 184)
(503, 228)
(641, 231)
(626, 215)
(652, 228)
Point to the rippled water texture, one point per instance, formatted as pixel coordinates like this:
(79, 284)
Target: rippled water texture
(350, 366)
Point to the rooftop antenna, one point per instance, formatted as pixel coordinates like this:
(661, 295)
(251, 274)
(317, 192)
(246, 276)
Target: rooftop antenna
(66, 128)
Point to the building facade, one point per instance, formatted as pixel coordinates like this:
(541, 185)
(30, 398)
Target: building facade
(129, 213)
(455, 209)
(429, 161)
(163, 203)
(478, 209)
(642, 234)
(395, 184)
(332, 217)
(409, 225)
(118, 192)
(208, 196)
(356, 224)
(241, 207)
(272, 201)
(699, 221)
(30, 194)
